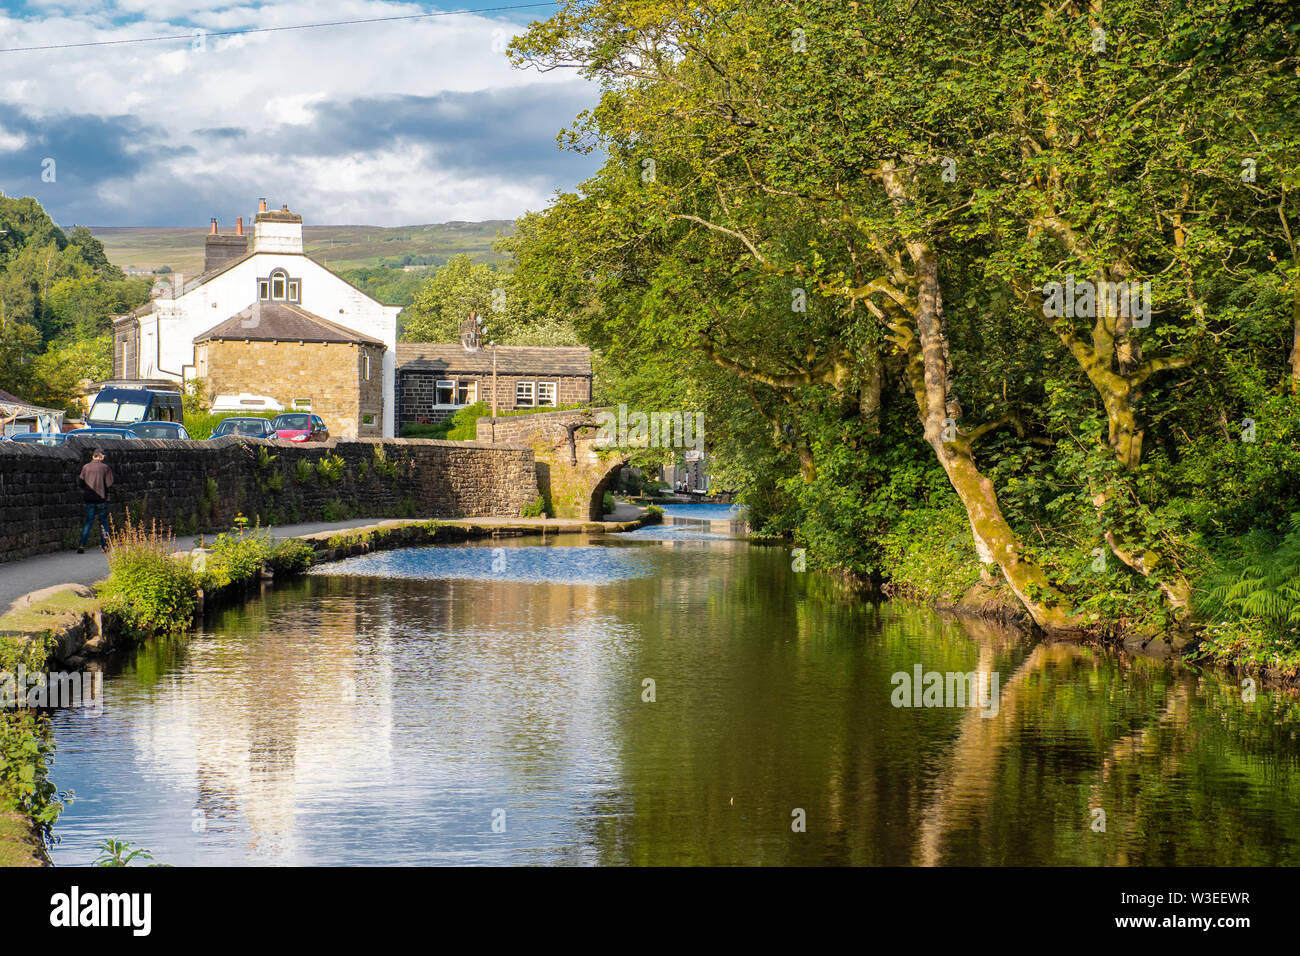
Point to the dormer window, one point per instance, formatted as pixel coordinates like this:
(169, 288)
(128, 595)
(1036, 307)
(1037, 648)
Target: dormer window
(279, 287)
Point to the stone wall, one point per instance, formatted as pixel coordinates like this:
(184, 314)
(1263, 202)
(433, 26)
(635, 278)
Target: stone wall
(201, 486)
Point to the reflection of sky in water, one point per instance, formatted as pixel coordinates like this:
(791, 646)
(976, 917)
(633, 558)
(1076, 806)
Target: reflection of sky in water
(705, 511)
(540, 565)
(678, 532)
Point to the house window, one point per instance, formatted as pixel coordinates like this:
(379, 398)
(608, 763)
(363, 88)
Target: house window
(466, 393)
(278, 286)
(263, 289)
(524, 394)
(365, 366)
(546, 393)
(368, 419)
(445, 394)
(293, 290)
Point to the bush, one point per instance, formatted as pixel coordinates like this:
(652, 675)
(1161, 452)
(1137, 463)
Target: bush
(148, 589)
(930, 552)
(608, 504)
(240, 556)
(535, 510)
(303, 471)
(330, 468)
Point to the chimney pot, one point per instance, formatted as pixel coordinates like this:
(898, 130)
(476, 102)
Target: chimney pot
(284, 208)
(261, 205)
(212, 229)
(239, 226)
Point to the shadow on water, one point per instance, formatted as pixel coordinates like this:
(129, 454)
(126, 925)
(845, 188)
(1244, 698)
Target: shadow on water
(391, 709)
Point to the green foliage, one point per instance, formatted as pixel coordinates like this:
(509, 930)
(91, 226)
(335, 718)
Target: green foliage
(929, 552)
(330, 469)
(382, 465)
(536, 509)
(333, 510)
(26, 751)
(120, 853)
(148, 589)
(303, 471)
(607, 503)
(240, 556)
(1261, 583)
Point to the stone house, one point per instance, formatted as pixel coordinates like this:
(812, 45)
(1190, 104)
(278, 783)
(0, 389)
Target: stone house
(434, 380)
(299, 360)
(324, 332)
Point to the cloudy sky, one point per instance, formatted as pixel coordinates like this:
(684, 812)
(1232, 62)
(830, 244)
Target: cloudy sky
(383, 123)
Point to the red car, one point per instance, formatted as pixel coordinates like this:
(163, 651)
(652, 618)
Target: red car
(300, 426)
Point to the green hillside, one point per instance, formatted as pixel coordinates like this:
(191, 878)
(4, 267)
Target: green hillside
(340, 247)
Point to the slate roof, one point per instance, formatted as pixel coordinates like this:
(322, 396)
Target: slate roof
(453, 358)
(281, 322)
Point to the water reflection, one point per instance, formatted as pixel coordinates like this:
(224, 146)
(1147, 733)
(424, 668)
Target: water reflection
(349, 718)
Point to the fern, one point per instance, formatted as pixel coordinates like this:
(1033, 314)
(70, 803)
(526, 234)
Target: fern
(1263, 583)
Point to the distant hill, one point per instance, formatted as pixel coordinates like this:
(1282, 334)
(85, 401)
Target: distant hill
(339, 247)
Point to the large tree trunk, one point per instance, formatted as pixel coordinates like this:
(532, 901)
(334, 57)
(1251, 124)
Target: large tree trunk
(995, 541)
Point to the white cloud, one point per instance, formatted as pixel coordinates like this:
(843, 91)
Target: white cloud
(264, 84)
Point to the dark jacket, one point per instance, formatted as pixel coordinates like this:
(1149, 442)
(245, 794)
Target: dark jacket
(96, 478)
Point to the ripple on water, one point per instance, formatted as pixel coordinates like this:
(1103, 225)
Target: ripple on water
(527, 564)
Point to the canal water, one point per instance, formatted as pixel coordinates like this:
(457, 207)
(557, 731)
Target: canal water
(671, 696)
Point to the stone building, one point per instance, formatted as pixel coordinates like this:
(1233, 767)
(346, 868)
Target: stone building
(434, 380)
(344, 331)
(300, 361)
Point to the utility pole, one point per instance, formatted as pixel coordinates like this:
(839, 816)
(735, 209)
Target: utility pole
(493, 346)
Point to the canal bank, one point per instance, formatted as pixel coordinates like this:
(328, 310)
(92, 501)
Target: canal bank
(66, 627)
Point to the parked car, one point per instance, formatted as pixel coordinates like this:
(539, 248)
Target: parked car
(246, 427)
(171, 430)
(102, 431)
(300, 426)
(126, 406)
(40, 438)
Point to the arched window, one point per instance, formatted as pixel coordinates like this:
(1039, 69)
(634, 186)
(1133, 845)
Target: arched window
(279, 287)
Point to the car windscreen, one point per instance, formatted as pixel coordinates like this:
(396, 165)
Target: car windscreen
(105, 412)
(155, 431)
(293, 422)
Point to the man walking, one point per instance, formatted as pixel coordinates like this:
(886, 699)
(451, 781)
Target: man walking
(95, 478)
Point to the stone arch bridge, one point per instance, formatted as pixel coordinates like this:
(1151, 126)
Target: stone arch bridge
(573, 471)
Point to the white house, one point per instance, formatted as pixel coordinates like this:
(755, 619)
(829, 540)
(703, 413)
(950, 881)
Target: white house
(157, 340)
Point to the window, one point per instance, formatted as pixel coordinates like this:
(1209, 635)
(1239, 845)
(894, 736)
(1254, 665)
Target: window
(277, 287)
(466, 393)
(524, 394)
(365, 367)
(368, 419)
(546, 393)
(445, 393)
(263, 289)
(293, 290)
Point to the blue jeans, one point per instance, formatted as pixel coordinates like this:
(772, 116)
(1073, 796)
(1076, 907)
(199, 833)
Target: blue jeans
(94, 513)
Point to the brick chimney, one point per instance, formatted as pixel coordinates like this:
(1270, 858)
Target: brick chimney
(261, 205)
(219, 249)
